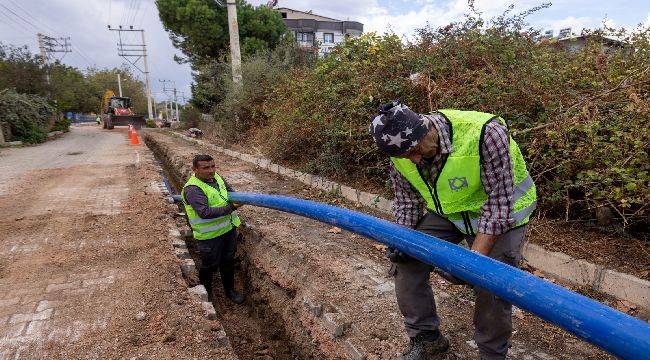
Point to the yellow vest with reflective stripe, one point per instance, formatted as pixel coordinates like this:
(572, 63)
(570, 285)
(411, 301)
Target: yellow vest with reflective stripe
(204, 229)
(457, 193)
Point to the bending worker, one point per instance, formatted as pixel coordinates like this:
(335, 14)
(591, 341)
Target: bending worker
(471, 177)
(214, 223)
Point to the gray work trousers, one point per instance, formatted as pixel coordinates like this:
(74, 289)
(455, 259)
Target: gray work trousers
(492, 316)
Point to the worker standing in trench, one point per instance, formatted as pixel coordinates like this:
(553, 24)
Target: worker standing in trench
(470, 175)
(214, 223)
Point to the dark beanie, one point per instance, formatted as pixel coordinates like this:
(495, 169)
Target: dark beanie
(397, 129)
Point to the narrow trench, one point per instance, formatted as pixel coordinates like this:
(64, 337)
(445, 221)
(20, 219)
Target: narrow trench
(254, 328)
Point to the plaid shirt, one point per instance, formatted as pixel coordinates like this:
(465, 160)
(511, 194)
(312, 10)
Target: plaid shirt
(496, 177)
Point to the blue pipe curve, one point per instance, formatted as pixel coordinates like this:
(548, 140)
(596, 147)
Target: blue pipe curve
(618, 333)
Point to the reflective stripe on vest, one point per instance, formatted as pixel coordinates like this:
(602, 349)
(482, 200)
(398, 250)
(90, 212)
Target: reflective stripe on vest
(203, 221)
(457, 193)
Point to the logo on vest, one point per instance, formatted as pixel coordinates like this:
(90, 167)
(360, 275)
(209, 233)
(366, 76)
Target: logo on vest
(457, 183)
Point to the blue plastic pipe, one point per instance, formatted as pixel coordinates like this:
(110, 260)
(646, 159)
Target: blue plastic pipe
(618, 333)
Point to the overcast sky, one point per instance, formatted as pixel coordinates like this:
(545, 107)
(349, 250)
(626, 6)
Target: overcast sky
(85, 22)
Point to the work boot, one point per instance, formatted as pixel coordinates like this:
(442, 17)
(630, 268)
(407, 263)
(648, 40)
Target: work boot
(425, 345)
(234, 296)
(228, 280)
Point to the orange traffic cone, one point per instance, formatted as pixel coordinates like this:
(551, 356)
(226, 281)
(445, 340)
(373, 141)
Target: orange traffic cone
(134, 137)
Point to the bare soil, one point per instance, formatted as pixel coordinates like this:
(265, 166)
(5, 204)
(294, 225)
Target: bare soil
(86, 266)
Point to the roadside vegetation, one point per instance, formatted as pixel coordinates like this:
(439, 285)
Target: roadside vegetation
(581, 117)
(32, 106)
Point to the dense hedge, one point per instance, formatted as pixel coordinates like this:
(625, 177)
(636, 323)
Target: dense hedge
(581, 117)
(30, 117)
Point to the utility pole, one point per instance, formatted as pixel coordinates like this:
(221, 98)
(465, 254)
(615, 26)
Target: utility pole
(137, 51)
(41, 47)
(119, 83)
(49, 45)
(175, 101)
(235, 54)
(178, 115)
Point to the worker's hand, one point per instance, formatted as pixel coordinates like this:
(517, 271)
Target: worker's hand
(449, 277)
(483, 243)
(395, 255)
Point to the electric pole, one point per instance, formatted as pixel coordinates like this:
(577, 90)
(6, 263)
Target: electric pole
(137, 51)
(235, 54)
(178, 115)
(119, 83)
(175, 101)
(49, 45)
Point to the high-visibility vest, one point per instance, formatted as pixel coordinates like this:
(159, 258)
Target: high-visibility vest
(204, 229)
(456, 192)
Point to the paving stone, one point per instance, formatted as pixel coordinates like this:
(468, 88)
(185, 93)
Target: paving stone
(182, 253)
(101, 281)
(174, 233)
(44, 305)
(222, 339)
(188, 267)
(199, 290)
(64, 286)
(36, 327)
(353, 351)
(179, 243)
(335, 323)
(43, 315)
(13, 331)
(9, 302)
(209, 310)
(25, 291)
(315, 309)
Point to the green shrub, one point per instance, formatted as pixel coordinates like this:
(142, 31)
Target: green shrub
(241, 106)
(580, 117)
(61, 124)
(29, 116)
(150, 123)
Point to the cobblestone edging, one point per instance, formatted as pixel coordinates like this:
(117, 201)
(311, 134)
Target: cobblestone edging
(562, 266)
(188, 267)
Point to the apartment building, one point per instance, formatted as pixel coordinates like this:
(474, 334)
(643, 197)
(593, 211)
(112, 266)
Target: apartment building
(316, 31)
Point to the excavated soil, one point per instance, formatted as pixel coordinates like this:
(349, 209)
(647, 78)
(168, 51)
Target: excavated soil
(86, 265)
(327, 291)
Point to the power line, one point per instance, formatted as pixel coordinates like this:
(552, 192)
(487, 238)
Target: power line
(108, 16)
(20, 17)
(15, 21)
(80, 54)
(137, 10)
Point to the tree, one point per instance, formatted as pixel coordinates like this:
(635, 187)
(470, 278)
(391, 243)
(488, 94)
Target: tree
(199, 28)
(98, 81)
(21, 70)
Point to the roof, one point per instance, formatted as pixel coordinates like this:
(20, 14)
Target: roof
(603, 39)
(308, 13)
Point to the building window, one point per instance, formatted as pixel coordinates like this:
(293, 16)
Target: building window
(284, 15)
(305, 37)
(328, 38)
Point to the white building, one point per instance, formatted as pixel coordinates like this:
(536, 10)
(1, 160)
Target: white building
(311, 30)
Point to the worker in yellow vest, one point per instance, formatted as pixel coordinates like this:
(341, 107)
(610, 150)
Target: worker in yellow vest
(456, 175)
(214, 223)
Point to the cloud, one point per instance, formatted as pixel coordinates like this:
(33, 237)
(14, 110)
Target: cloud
(85, 22)
(577, 24)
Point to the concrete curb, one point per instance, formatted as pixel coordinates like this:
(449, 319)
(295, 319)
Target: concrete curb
(559, 265)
